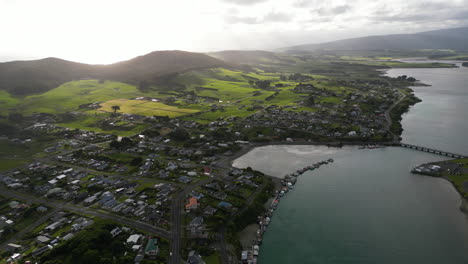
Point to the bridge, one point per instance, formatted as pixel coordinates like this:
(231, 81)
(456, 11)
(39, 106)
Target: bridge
(431, 150)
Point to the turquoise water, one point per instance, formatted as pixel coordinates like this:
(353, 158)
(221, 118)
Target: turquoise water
(366, 207)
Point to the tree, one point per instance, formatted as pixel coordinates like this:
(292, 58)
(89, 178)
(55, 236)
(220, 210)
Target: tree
(465, 64)
(115, 108)
(114, 144)
(54, 261)
(265, 84)
(179, 134)
(91, 257)
(143, 86)
(310, 101)
(136, 161)
(15, 117)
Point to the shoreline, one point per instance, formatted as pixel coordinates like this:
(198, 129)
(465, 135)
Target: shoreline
(248, 235)
(464, 202)
(331, 144)
(463, 206)
(251, 236)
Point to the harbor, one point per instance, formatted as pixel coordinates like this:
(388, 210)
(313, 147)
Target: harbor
(288, 181)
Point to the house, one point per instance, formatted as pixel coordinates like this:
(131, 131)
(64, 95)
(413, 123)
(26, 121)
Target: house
(209, 210)
(14, 204)
(136, 247)
(68, 236)
(225, 205)
(41, 209)
(184, 179)
(197, 221)
(255, 249)
(53, 226)
(192, 204)
(40, 251)
(220, 195)
(115, 232)
(151, 248)
(90, 199)
(194, 258)
(13, 247)
(244, 256)
(42, 239)
(139, 258)
(133, 239)
(197, 195)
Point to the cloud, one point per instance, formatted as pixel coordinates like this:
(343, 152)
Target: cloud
(241, 20)
(277, 17)
(430, 12)
(244, 2)
(304, 3)
(404, 18)
(271, 17)
(332, 11)
(461, 15)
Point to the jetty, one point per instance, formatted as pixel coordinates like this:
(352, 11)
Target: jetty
(432, 150)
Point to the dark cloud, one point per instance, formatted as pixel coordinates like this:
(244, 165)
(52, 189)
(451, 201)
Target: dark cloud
(422, 13)
(241, 20)
(404, 18)
(461, 15)
(244, 2)
(277, 17)
(435, 5)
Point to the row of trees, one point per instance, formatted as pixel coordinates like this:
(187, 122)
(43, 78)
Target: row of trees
(406, 78)
(262, 84)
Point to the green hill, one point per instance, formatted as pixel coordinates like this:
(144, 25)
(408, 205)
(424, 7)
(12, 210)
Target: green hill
(37, 76)
(245, 56)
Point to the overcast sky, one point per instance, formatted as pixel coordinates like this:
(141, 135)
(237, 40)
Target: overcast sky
(106, 31)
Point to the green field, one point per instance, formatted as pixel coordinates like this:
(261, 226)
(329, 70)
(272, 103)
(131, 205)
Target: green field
(90, 123)
(13, 155)
(145, 108)
(69, 96)
(213, 259)
(7, 101)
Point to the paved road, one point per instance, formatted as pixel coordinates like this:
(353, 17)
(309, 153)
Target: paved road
(389, 119)
(176, 217)
(87, 211)
(222, 246)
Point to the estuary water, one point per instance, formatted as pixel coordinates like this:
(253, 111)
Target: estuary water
(366, 207)
(441, 119)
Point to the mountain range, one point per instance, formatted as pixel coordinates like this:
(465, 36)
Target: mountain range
(455, 38)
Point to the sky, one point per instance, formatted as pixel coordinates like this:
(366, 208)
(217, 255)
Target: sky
(107, 31)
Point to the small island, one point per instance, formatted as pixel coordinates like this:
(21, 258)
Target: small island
(465, 64)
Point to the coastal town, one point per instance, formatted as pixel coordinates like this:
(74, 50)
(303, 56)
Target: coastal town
(161, 188)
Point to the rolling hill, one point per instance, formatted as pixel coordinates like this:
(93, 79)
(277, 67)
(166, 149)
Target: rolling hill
(245, 56)
(456, 39)
(37, 76)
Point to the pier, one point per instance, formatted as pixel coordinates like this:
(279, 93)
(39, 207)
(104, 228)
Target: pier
(434, 151)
